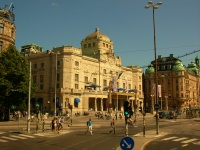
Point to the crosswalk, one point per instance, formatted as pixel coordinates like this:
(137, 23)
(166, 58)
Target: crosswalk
(183, 140)
(15, 137)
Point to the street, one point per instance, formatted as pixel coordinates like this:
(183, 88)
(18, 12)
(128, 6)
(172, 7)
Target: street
(179, 134)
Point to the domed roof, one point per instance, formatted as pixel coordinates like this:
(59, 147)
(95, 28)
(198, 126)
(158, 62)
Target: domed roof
(192, 67)
(97, 34)
(178, 66)
(150, 69)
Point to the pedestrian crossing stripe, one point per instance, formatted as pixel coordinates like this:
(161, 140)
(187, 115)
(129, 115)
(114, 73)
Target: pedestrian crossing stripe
(180, 139)
(2, 132)
(8, 138)
(170, 138)
(188, 141)
(29, 136)
(18, 137)
(3, 140)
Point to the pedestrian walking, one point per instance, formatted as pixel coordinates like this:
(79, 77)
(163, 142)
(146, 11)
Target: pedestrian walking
(113, 126)
(89, 127)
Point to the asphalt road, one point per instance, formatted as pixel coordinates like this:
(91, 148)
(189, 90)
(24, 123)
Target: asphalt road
(182, 136)
(74, 138)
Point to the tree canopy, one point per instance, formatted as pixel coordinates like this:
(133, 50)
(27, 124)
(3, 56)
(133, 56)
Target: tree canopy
(14, 78)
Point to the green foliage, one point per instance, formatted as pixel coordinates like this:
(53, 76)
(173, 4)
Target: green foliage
(14, 78)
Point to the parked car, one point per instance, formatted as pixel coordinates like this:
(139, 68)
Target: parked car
(170, 115)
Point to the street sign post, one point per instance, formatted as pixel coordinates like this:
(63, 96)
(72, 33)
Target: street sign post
(127, 143)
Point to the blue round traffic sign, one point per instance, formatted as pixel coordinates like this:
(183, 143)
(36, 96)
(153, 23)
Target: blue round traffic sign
(127, 143)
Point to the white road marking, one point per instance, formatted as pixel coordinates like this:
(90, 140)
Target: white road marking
(184, 145)
(180, 139)
(18, 137)
(170, 138)
(3, 140)
(8, 138)
(29, 136)
(188, 141)
(2, 132)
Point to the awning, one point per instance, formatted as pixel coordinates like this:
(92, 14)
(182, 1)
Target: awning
(121, 89)
(132, 90)
(92, 86)
(77, 100)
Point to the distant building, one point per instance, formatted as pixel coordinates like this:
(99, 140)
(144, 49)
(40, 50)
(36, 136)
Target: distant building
(89, 78)
(179, 86)
(7, 27)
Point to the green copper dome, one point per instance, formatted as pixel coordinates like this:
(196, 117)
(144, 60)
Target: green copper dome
(150, 69)
(178, 66)
(192, 67)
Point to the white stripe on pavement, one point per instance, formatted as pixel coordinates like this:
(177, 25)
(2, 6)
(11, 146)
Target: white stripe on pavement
(180, 139)
(29, 136)
(18, 137)
(3, 140)
(2, 132)
(188, 141)
(170, 138)
(8, 138)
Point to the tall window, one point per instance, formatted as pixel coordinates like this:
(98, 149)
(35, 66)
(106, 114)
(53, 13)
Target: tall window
(1, 46)
(76, 86)
(34, 79)
(41, 78)
(76, 77)
(94, 80)
(42, 65)
(76, 63)
(58, 77)
(86, 80)
(1, 28)
(104, 83)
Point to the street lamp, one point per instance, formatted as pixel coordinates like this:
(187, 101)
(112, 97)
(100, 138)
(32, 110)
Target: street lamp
(29, 99)
(155, 6)
(55, 79)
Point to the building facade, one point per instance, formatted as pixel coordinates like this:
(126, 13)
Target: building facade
(89, 78)
(7, 27)
(178, 85)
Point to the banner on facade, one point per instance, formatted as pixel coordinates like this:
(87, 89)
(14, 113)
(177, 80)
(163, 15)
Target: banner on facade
(159, 91)
(114, 83)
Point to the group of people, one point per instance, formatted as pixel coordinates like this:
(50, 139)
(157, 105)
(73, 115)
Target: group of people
(57, 124)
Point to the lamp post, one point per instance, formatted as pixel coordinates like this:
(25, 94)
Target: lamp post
(29, 100)
(155, 6)
(56, 79)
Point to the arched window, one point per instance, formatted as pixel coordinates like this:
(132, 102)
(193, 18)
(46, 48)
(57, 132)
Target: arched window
(1, 28)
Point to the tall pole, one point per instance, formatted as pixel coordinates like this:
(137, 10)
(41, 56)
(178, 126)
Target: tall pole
(29, 100)
(55, 85)
(155, 55)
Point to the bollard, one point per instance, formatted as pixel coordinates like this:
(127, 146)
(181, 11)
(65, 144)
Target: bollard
(43, 122)
(37, 125)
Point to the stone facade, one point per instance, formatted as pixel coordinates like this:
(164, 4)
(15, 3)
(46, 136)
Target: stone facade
(79, 74)
(7, 28)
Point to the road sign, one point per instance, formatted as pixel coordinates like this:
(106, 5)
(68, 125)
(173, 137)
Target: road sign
(156, 106)
(127, 143)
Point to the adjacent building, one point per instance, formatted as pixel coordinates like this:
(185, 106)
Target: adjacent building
(86, 78)
(7, 27)
(178, 85)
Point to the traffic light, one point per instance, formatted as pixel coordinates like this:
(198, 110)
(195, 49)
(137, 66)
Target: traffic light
(126, 107)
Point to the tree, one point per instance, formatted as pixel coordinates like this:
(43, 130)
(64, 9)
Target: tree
(14, 79)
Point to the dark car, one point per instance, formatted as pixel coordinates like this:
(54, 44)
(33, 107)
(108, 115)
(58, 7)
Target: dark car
(161, 114)
(170, 115)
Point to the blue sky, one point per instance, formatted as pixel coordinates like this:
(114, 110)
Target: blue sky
(53, 23)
